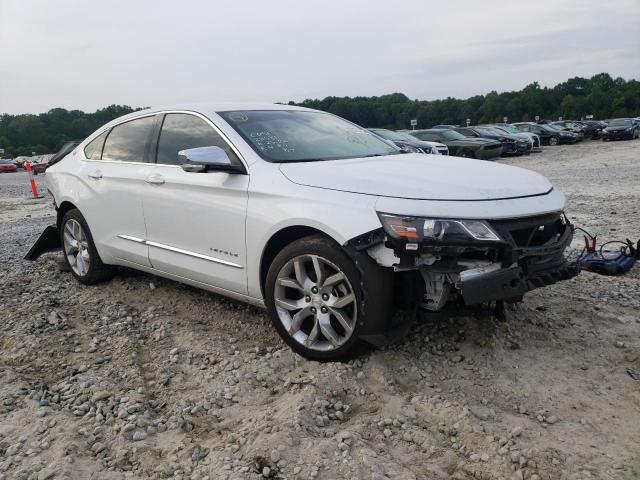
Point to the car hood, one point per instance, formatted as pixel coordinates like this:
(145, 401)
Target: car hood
(420, 177)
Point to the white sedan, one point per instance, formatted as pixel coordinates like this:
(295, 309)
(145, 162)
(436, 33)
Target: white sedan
(323, 223)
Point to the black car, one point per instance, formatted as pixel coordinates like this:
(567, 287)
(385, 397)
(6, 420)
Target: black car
(511, 144)
(548, 135)
(405, 141)
(571, 126)
(593, 128)
(623, 128)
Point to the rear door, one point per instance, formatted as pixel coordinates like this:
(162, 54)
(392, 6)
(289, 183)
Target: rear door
(195, 221)
(114, 174)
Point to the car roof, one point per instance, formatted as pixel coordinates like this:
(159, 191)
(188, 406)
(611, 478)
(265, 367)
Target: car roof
(207, 108)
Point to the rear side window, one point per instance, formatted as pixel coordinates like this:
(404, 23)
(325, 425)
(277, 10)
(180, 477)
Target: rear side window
(181, 131)
(93, 150)
(126, 142)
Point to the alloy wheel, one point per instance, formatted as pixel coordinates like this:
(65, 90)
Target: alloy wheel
(554, 141)
(76, 247)
(315, 302)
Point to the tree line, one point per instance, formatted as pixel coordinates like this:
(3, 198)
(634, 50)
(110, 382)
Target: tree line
(601, 96)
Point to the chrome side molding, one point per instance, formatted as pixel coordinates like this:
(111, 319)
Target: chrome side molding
(179, 250)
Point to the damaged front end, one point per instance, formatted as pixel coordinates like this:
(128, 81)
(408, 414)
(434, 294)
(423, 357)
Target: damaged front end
(440, 261)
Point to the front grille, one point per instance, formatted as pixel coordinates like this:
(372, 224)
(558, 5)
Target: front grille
(443, 151)
(531, 231)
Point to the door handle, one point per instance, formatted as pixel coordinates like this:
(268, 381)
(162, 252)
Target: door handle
(154, 179)
(97, 175)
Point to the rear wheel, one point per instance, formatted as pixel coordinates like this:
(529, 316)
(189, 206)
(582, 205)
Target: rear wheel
(553, 141)
(80, 252)
(314, 294)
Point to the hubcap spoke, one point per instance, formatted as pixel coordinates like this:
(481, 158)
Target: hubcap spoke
(301, 274)
(288, 304)
(342, 318)
(327, 330)
(297, 319)
(318, 269)
(333, 279)
(313, 335)
(342, 302)
(291, 283)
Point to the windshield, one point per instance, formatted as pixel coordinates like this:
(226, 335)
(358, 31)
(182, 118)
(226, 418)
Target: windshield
(303, 136)
(508, 128)
(620, 122)
(452, 135)
(490, 131)
(391, 135)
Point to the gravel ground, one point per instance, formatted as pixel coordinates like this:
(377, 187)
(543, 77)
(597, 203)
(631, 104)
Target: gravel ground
(146, 378)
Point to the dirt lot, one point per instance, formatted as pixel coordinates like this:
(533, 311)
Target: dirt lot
(145, 378)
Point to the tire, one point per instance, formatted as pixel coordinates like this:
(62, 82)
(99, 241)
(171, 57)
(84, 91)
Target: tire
(553, 141)
(324, 319)
(465, 153)
(77, 243)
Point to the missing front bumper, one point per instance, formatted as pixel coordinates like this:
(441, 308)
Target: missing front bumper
(512, 282)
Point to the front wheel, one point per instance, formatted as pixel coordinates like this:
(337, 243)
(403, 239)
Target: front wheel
(465, 153)
(80, 252)
(553, 141)
(315, 298)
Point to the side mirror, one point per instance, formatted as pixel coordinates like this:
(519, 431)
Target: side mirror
(207, 159)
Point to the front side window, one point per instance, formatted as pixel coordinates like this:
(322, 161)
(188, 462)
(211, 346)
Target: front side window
(126, 142)
(182, 131)
(93, 150)
(303, 136)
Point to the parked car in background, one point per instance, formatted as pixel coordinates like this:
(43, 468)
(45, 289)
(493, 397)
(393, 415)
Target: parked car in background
(444, 126)
(406, 142)
(536, 145)
(577, 130)
(621, 128)
(41, 163)
(461, 146)
(19, 161)
(547, 134)
(593, 128)
(511, 145)
(320, 221)
(7, 166)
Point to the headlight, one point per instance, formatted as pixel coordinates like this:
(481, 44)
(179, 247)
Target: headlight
(417, 229)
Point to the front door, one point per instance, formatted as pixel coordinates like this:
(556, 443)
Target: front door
(195, 221)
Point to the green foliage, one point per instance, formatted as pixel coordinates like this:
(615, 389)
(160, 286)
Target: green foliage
(47, 132)
(601, 96)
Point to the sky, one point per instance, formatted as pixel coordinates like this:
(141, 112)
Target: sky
(80, 54)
